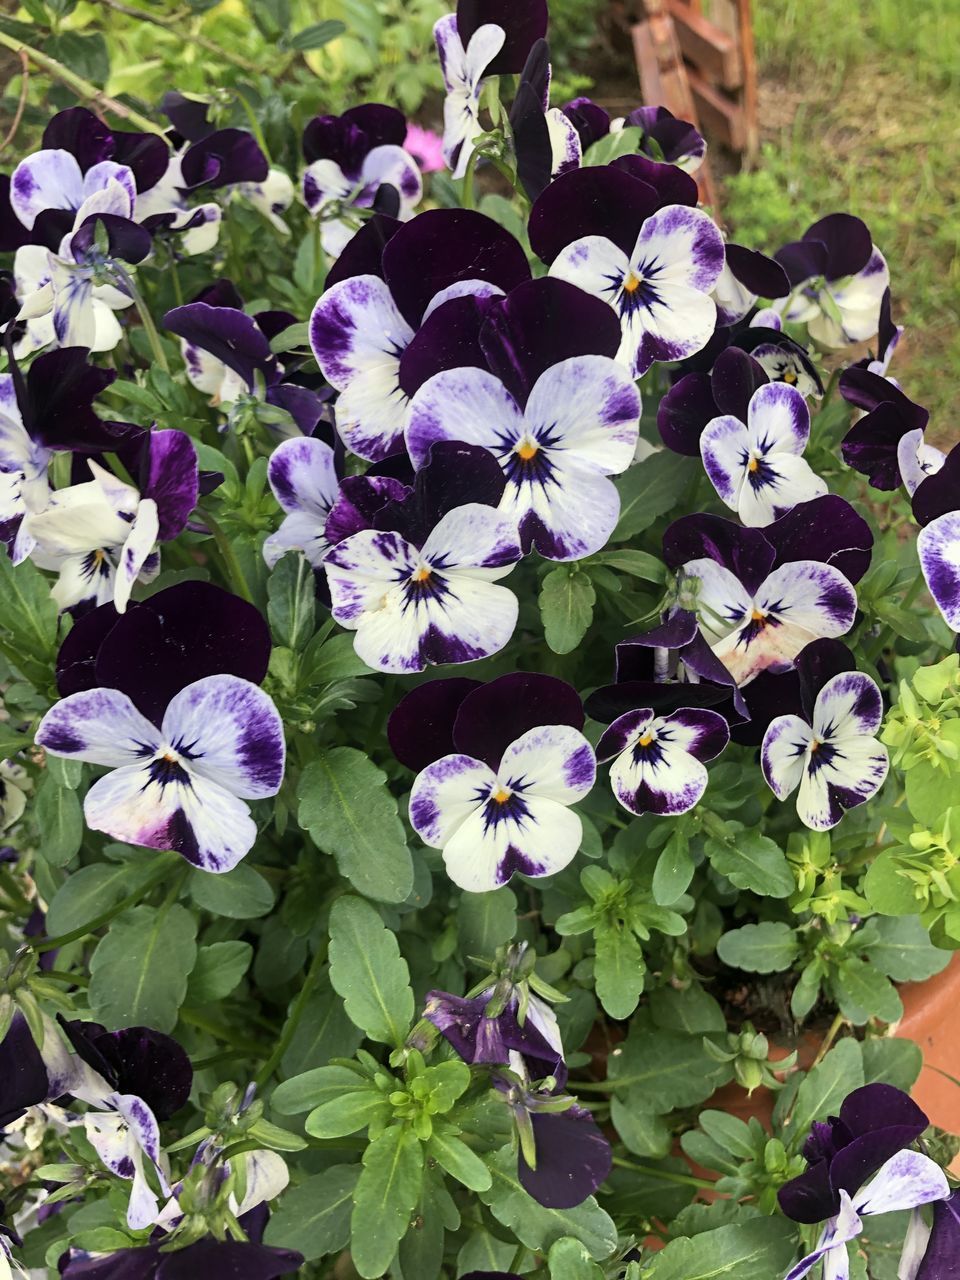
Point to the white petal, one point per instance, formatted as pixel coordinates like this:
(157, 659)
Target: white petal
(778, 419)
(722, 603)
(589, 406)
(725, 450)
(779, 483)
(475, 538)
(489, 847)
(906, 1181)
(470, 405)
(396, 167)
(267, 1176)
(784, 754)
(917, 460)
(300, 531)
(99, 726)
(938, 547)
(555, 761)
(445, 794)
(133, 555)
(363, 569)
(839, 776)
(48, 179)
(324, 182)
(849, 704)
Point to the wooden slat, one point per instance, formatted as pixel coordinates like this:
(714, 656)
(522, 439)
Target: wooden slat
(721, 118)
(749, 94)
(712, 51)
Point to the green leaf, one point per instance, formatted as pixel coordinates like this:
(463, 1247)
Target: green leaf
(347, 1113)
(904, 951)
(863, 992)
(537, 1226)
(650, 489)
(240, 894)
(326, 660)
(689, 1009)
(730, 1132)
(65, 772)
(218, 970)
(887, 887)
(292, 338)
(752, 861)
(138, 973)
(889, 1060)
(759, 948)
(85, 54)
(567, 598)
(619, 970)
(313, 1089)
(456, 1158)
(753, 1250)
(486, 921)
(643, 1133)
(291, 606)
(623, 142)
(316, 35)
(638, 564)
(347, 807)
(324, 1032)
(314, 1217)
(569, 1260)
(60, 819)
(367, 970)
(823, 1089)
(89, 891)
(660, 1072)
(674, 870)
(928, 793)
(385, 1195)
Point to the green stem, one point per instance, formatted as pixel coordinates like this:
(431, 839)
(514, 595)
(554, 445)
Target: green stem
(296, 1013)
(70, 979)
(196, 37)
(468, 194)
(51, 944)
(681, 1179)
(230, 562)
(81, 87)
(146, 319)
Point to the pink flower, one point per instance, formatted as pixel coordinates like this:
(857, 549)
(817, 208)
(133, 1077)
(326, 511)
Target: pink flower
(426, 147)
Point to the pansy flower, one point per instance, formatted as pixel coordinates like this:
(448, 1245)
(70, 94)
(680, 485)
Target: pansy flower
(351, 160)
(756, 466)
(303, 479)
(420, 587)
(933, 1252)
(886, 442)
(781, 357)
(558, 434)
(659, 761)
(655, 265)
(499, 802)
(664, 137)
(936, 506)
(363, 325)
(830, 753)
(101, 535)
(545, 139)
(858, 1165)
(699, 397)
(272, 197)
(746, 277)
(838, 281)
(761, 597)
(481, 1031)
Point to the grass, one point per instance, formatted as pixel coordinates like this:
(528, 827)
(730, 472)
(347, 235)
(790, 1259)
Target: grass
(860, 110)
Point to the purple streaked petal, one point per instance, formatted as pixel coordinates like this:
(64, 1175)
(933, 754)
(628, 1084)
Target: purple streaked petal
(849, 704)
(449, 338)
(554, 761)
(596, 201)
(832, 1245)
(906, 1181)
(302, 476)
(570, 513)
(445, 794)
(654, 776)
(474, 537)
(100, 726)
(784, 753)
(573, 1158)
(589, 407)
(420, 728)
(492, 716)
(589, 119)
(136, 1060)
(362, 568)
(359, 500)
(229, 731)
(462, 404)
(172, 480)
(778, 418)
(938, 548)
(441, 247)
(725, 450)
(48, 179)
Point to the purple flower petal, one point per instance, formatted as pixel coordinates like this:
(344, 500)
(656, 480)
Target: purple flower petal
(826, 529)
(589, 119)
(524, 21)
(230, 335)
(938, 547)
(454, 474)
(228, 1260)
(80, 132)
(763, 276)
(223, 158)
(746, 553)
(136, 1060)
(847, 242)
(357, 504)
(189, 116)
(100, 726)
(659, 760)
(348, 138)
(671, 184)
(684, 412)
(817, 664)
(172, 480)
(126, 240)
(449, 338)
(493, 715)
(420, 728)
(677, 141)
(597, 201)
(479, 1039)
(735, 378)
(56, 403)
(363, 254)
(22, 1071)
(942, 1257)
(939, 494)
(573, 1158)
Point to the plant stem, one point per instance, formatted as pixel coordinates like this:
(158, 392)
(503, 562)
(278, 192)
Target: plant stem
(166, 24)
(828, 1040)
(51, 944)
(293, 1020)
(82, 88)
(681, 1179)
(126, 281)
(230, 562)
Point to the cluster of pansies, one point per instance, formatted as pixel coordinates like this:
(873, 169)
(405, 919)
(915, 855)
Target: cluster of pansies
(245, 513)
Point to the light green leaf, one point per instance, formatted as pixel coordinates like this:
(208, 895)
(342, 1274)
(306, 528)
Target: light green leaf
(347, 807)
(769, 947)
(367, 970)
(314, 1217)
(619, 970)
(218, 970)
(291, 606)
(891, 1061)
(638, 564)
(863, 992)
(333, 658)
(324, 1032)
(28, 613)
(904, 951)
(314, 1089)
(643, 1133)
(317, 35)
(674, 870)
(59, 818)
(240, 894)
(689, 1009)
(567, 597)
(89, 891)
(139, 970)
(347, 1113)
(569, 1260)
(754, 1250)
(660, 1072)
(824, 1088)
(486, 921)
(459, 1161)
(387, 1190)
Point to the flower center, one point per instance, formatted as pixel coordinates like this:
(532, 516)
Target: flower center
(526, 450)
(420, 575)
(646, 739)
(789, 377)
(500, 796)
(632, 282)
(759, 617)
(753, 465)
(815, 746)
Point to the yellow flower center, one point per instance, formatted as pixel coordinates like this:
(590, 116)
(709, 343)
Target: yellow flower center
(500, 796)
(758, 616)
(420, 575)
(789, 377)
(646, 739)
(526, 450)
(753, 465)
(632, 283)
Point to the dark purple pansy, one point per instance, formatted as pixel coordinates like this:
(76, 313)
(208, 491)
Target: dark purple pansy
(941, 1259)
(127, 241)
(23, 1075)
(524, 21)
(228, 334)
(747, 276)
(667, 138)
(210, 1258)
(572, 1156)
(56, 403)
(136, 1060)
(363, 254)
(347, 139)
(222, 158)
(480, 1038)
(164, 643)
(837, 246)
(697, 398)
(589, 119)
(189, 116)
(872, 445)
(455, 475)
(939, 494)
(481, 720)
(845, 1151)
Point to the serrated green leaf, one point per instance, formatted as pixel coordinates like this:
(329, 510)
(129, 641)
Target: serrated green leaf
(567, 598)
(863, 992)
(313, 1089)
(384, 1198)
(240, 894)
(219, 969)
(347, 1113)
(674, 870)
(619, 970)
(348, 809)
(486, 921)
(661, 1072)
(314, 1217)
(752, 861)
(891, 1061)
(139, 971)
(60, 819)
(324, 1032)
(903, 950)
(824, 1088)
(569, 1260)
(367, 970)
(88, 891)
(769, 947)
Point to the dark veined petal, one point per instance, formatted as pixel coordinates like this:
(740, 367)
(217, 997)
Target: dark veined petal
(871, 446)
(684, 412)
(363, 254)
(745, 552)
(826, 529)
(230, 335)
(125, 1264)
(136, 1060)
(495, 714)
(867, 390)
(126, 240)
(939, 494)
(146, 155)
(671, 184)
(573, 1158)
(596, 201)
(449, 338)
(455, 474)
(223, 158)
(761, 275)
(359, 500)
(57, 403)
(524, 21)
(420, 728)
(942, 1257)
(80, 132)
(734, 379)
(23, 1076)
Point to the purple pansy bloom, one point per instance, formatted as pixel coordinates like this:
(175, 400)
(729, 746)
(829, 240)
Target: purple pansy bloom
(479, 1037)
(838, 281)
(351, 159)
(465, 63)
(746, 276)
(655, 264)
(180, 786)
(136, 1060)
(364, 323)
(697, 398)
(933, 1254)
(664, 137)
(545, 139)
(756, 466)
(524, 22)
(557, 442)
(303, 478)
(658, 761)
(419, 587)
(888, 433)
(759, 597)
(936, 506)
(498, 803)
(830, 752)
(858, 1165)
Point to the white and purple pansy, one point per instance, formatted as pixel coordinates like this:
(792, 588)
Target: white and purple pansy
(579, 425)
(697, 398)
(936, 506)
(830, 753)
(756, 466)
(364, 323)
(303, 478)
(24, 486)
(123, 1134)
(665, 137)
(498, 802)
(760, 597)
(886, 441)
(181, 786)
(464, 65)
(420, 587)
(53, 179)
(932, 1252)
(838, 281)
(746, 277)
(351, 160)
(659, 761)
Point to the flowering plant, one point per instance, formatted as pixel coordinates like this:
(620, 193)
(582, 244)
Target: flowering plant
(310, 949)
